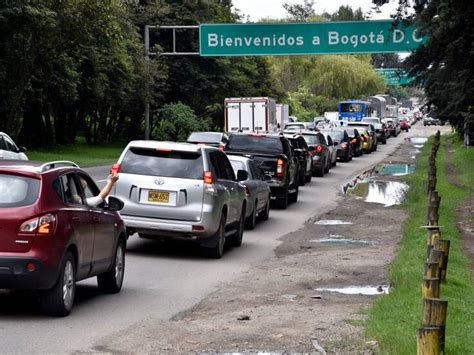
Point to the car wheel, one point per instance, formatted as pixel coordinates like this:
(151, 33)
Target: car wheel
(112, 280)
(217, 250)
(294, 196)
(301, 179)
(384, 141)
(335, 162)
(326, 169)
(251, 221)
(265, 214)
(308, 177)
(58, 301)
(236, 239)
(282, 202)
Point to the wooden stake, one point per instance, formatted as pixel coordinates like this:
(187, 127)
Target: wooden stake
(430, 287)
(436, 256)
(428, 341)
(443, 246)
(431, 270)
(434, 315)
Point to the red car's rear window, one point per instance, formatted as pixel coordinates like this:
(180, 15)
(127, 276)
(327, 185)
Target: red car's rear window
(16, 191)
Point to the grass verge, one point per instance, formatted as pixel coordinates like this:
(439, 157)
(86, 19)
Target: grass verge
(394, 319)
(81, 153)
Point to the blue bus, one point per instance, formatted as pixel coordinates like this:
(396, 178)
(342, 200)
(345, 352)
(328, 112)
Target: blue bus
(354, 110)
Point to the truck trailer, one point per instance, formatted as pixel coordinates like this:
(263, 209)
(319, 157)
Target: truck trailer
(250, 114)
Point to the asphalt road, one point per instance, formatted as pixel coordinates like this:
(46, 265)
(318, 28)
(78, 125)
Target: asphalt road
(164, 279)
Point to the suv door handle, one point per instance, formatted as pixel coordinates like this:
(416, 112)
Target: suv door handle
(76, 219)
(96, 219)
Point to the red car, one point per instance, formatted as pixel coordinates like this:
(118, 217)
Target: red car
(50, 238)
(404, 125)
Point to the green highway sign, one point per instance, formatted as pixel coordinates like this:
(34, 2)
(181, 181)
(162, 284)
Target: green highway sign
(306, 38)
(395, 76)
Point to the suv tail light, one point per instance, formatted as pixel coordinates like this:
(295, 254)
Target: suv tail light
(344, 145)
(221, 147)
(115, 169)
(208, 178)
(43, 225)
(354, 140)
(280, 167)
(319, 148)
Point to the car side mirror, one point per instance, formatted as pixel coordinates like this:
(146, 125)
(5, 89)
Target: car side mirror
(22, 149)
(114, 204)
(335, 143)
(242, 175)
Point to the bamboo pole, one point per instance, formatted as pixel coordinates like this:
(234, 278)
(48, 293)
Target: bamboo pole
(428, 341)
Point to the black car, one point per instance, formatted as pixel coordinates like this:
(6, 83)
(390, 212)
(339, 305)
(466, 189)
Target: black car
(320, 154)
(356, 141)
(342, 143)
(302, 153)
(274, 155)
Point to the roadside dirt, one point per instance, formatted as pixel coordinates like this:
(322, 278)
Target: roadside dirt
(276, 307)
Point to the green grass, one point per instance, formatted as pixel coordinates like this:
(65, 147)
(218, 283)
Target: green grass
(463, 160)
(81, 153)
(394, 319)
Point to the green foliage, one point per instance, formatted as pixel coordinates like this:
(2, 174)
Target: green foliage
(394, 319)
(177, 122)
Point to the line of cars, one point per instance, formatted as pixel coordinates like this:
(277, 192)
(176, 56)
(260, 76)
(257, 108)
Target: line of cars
(209, 189)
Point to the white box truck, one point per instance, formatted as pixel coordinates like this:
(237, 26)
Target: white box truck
(250, 114)
(283, 114)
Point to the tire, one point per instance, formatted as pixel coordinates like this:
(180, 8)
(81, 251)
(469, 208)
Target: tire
(384, 141)
(335, 162)
(251, 221)
(308, 177)
(112, 280)
(319, 172)
(326, 168)
(293, 198)
(265, 214)
(217, 250)
(58, 301)
(301, 179)
(282, 202)
(236, 239)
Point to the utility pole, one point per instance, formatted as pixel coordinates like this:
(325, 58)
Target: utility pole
(147, 59)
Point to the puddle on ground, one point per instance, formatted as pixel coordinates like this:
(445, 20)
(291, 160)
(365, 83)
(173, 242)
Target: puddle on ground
(359, 290)
(387, 193)
(354, 242)
(331, 222)
(395, 169)
(417, 140)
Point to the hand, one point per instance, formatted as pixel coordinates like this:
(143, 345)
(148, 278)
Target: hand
(113, 178)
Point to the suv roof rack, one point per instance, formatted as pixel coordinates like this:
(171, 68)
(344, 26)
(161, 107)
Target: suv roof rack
(54, 164)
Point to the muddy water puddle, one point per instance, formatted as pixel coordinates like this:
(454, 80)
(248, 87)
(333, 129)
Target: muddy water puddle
(359, 290)
(387, 193)
(331, 222)
(344, 241)
(417, 141)
(395, 169)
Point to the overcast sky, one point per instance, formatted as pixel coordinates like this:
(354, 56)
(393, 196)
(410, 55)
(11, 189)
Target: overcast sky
(258, 9)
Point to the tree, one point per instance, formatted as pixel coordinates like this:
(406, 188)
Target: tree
(300, 12)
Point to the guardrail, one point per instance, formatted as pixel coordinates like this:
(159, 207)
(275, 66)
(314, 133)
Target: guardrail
(431, 335)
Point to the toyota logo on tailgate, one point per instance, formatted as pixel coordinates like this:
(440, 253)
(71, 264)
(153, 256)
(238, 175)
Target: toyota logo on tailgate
(159, 181)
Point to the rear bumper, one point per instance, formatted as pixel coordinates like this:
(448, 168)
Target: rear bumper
(173, 228)
(14, 275)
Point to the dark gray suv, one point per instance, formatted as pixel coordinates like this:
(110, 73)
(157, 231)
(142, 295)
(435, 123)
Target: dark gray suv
(181, 190)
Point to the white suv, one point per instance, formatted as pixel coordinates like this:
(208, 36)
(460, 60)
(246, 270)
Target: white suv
(181, 190)
(9, 150)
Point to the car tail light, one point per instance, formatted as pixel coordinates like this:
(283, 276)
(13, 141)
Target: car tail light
(43, 225)
(221, 147)
(354, 140)
(164, 150)
(208, 178)
(280, 167)
(344, 145)
(198, 228)
(319, 148)
(115, 169)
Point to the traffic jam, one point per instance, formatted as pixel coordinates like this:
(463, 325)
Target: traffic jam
(59, 228)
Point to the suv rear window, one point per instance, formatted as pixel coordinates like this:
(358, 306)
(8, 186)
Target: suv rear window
(311, 138)
(204, 137)
(16, 191)
(178, 164)
(261, 144)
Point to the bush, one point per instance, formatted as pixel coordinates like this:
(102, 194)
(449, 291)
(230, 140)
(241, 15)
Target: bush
(177, 122)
